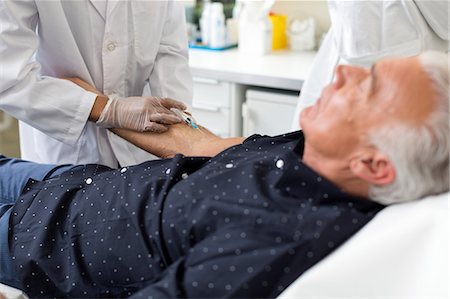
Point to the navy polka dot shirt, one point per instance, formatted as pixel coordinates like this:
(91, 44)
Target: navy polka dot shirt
(245, 223)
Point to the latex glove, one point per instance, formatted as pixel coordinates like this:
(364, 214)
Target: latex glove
(142, 114)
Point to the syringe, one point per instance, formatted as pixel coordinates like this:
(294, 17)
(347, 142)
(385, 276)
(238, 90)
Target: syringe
(188, 119)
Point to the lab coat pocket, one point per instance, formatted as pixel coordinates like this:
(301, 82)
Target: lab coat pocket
(50, 150)
(148, 19)
(368, 30)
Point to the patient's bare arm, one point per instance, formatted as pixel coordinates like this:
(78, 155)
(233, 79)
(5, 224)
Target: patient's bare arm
(179, 139)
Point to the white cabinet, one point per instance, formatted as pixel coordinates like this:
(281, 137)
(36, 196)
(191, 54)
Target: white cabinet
(217, 106)
(222, 77)
(268, 112)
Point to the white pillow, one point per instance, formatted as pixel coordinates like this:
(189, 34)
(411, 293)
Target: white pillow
(11, 293)
(402, 253)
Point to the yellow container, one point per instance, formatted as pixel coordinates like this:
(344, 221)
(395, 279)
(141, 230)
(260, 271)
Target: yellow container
(279, 38)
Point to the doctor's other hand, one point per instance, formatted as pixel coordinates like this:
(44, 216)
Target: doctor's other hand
(141, 114)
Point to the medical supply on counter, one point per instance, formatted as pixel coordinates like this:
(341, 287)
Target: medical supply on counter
(201, 46)
(214, 29)
(205, 22)
(187, 118)
(237, 9)
(217, 29)
(302, 34)
(233, 23)
(233, 31)
(279, 38)
(255, 28)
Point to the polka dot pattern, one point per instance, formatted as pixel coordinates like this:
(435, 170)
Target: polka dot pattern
(245, 223)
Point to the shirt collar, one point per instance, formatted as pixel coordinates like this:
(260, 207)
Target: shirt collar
(300, 181)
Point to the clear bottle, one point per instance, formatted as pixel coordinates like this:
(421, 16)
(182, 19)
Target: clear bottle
(217, 34)
(255, 27)
(237, 9)
(205, 25)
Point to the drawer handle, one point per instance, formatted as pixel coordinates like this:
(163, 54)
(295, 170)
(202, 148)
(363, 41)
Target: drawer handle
(204, 107)
(206, 81)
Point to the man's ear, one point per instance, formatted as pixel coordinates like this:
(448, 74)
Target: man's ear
(373, 167)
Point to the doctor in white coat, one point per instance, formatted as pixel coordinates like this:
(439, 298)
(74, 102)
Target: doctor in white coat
(363, 32)
(134, 52)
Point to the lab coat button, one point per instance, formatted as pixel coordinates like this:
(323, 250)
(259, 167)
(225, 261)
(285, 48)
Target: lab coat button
(88, 181)
(111, 46)
(280, 163)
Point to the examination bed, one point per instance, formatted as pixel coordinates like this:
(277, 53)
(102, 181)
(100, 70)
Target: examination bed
(402, 253)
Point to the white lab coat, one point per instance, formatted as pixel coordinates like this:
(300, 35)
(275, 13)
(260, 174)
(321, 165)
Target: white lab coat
(363, 32)
(121, 47)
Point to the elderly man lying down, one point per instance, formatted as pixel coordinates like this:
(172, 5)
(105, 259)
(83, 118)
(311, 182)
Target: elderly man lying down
(230, 217)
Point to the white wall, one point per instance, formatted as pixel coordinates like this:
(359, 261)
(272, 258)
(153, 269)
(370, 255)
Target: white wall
(9, 136)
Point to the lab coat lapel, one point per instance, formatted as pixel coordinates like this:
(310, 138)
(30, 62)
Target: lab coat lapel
(100, 7)
(111, 5)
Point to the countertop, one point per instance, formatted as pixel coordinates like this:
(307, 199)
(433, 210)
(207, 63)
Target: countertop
(280, 69)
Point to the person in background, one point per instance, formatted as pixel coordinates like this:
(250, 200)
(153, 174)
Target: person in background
(134, 52)
(231, 217)
(362, 32)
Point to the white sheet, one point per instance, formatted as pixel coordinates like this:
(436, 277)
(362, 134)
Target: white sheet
(402, 253)
(11, 293)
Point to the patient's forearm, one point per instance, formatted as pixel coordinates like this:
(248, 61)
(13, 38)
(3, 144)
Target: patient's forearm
(180, 138)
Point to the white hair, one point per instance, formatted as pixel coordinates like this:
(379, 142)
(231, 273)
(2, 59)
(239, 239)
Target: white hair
(420, 156)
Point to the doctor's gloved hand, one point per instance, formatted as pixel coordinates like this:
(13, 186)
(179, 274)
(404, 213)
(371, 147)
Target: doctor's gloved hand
(142, 114)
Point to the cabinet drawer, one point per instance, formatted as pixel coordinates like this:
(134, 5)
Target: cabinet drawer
(216, 120)
(212, 92)
(268, 113)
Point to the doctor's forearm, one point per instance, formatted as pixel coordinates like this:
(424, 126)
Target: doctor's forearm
(97, 108)
(100, 100)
